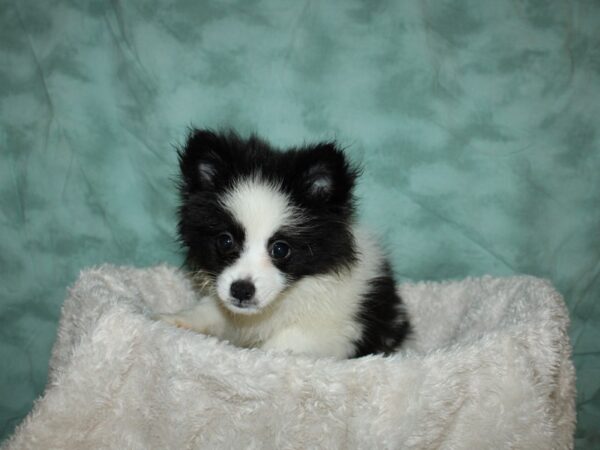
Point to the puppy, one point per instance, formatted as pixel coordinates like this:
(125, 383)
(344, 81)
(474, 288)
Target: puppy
(275, 253)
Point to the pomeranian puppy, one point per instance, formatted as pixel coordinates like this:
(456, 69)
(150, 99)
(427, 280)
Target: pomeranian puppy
(275, 253)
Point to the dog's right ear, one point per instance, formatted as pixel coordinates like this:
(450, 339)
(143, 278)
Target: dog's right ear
(202, 160)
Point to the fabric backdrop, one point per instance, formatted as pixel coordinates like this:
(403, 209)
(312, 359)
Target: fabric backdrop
(476, 124)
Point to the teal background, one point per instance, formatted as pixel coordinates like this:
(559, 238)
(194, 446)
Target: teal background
(476, 122)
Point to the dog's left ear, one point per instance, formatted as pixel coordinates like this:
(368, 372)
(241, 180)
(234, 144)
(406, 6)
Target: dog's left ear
(325, 176)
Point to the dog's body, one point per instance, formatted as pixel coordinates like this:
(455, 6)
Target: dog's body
(274, 250)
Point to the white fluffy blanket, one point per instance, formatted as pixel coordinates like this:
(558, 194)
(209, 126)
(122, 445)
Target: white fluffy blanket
(489, 367)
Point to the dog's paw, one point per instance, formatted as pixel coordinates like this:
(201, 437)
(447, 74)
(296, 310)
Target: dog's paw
(174, 319)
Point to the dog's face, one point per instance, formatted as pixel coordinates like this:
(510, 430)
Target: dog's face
(255, 220)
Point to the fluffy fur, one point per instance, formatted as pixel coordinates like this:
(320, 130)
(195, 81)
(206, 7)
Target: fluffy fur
(273, 247)
(488, 367)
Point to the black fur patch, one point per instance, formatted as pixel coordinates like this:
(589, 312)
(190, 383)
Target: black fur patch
(201, 220)
(385, 323)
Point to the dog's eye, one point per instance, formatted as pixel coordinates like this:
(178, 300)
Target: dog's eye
(280, 250)
(225, 242)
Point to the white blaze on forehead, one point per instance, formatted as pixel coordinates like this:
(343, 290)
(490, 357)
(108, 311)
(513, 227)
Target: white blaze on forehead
(260, 208)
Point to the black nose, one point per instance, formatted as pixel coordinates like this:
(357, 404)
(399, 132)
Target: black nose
(242, 290)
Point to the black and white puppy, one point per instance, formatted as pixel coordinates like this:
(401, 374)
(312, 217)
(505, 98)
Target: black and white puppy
(275, 253)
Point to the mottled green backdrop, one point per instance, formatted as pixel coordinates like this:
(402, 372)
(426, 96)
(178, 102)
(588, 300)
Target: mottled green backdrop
(477, 124)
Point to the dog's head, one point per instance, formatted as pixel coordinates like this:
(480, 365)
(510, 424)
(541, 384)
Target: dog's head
(254, 220)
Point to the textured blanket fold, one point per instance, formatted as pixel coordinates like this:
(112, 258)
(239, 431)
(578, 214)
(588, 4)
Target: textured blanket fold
(488, 367)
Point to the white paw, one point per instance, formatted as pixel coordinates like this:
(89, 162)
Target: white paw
(174, 319)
